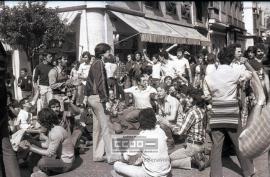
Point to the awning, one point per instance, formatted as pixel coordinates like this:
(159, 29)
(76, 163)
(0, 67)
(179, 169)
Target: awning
(151, 30)
(162, 32)
(68, 17)
(192, 35)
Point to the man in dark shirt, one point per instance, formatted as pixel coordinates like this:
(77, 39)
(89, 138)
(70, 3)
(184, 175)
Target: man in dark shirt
(41, 73)
(96, 90)
(25, 83)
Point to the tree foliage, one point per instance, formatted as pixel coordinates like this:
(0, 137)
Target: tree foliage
(30, 26)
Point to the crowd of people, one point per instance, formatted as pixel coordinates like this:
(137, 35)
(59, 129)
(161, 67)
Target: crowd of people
(166, 97)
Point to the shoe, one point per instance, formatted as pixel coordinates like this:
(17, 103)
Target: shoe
(39, 174)
(198, 160)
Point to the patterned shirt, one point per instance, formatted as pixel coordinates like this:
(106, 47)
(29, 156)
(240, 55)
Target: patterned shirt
(194, 125)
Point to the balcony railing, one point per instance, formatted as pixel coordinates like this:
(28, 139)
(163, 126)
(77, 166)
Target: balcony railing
(224, 18)
(213, 15)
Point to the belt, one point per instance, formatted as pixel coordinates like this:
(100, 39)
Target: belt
(195, 142)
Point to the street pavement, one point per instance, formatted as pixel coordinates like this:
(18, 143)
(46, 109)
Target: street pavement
(85, 167)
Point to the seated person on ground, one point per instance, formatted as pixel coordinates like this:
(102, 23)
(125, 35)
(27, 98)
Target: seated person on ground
(154, 162)
(58, 141)
(169, 109)
(142, 95)
(194, 127)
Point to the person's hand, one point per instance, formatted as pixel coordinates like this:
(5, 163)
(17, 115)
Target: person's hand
(108, 105)
(24, 144)
(243, 60)
(144, 51)
(85, 101)
(83, 124)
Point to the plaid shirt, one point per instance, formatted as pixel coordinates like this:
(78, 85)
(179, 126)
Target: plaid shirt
(194, 125)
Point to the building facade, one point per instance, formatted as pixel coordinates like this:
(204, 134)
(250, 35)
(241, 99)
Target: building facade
(226, 25)
(133, 25)
(255, 25)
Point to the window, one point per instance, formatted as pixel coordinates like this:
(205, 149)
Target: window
(152, 4)
(170, 7)
(185, 10)
(199, 9)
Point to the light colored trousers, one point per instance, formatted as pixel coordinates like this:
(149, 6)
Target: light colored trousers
(129, 170)
(45, 95)
(181, 158)
(102, 139)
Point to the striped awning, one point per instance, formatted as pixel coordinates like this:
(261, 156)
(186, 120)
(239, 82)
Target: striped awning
(68, 17)
(162, 32)
(151, 30)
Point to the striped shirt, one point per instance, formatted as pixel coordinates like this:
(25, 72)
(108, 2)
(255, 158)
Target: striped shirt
(194, 125)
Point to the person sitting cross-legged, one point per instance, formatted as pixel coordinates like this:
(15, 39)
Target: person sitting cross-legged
(152, 162)
(58, 141)
(194, 127)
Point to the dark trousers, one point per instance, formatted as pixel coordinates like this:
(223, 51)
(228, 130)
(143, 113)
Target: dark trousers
(53, 165)
(217, 136)
(8, 161)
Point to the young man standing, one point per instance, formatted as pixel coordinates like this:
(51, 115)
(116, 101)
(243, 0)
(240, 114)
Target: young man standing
(226, 115)
(181, 63)
(97, 91)
(41, 74)
(57, 79)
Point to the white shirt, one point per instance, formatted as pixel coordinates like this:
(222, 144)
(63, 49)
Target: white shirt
(157, 162)
(156, 69)
(141, 97)
(110, 69)
(210, 68)
(181, 65)
(83, 71)
(23, 118)
(222, 83)
(168, 69)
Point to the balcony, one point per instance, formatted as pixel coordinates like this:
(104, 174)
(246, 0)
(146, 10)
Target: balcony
(224, 18)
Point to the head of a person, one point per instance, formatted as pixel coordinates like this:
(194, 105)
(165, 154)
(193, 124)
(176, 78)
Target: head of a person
(147, 119)
(102, 50)
(86, 57)
(187, 55)
(54, 104)
(200, 58)
(211, 58)
(48, 57)
(179, 52)
(23, 72)
(155, 58)
(225, 57)
(130, 57)
(195, 97)
(142, 81)
(117, 59)
(168, 81)
(76, 65)
(250, 52)
(62, 59)
(47, 118)
(163, 56)
(138, 56)
(161, 92)
(111, 95)
(260, 51)
(235, 50)
(54, 62)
